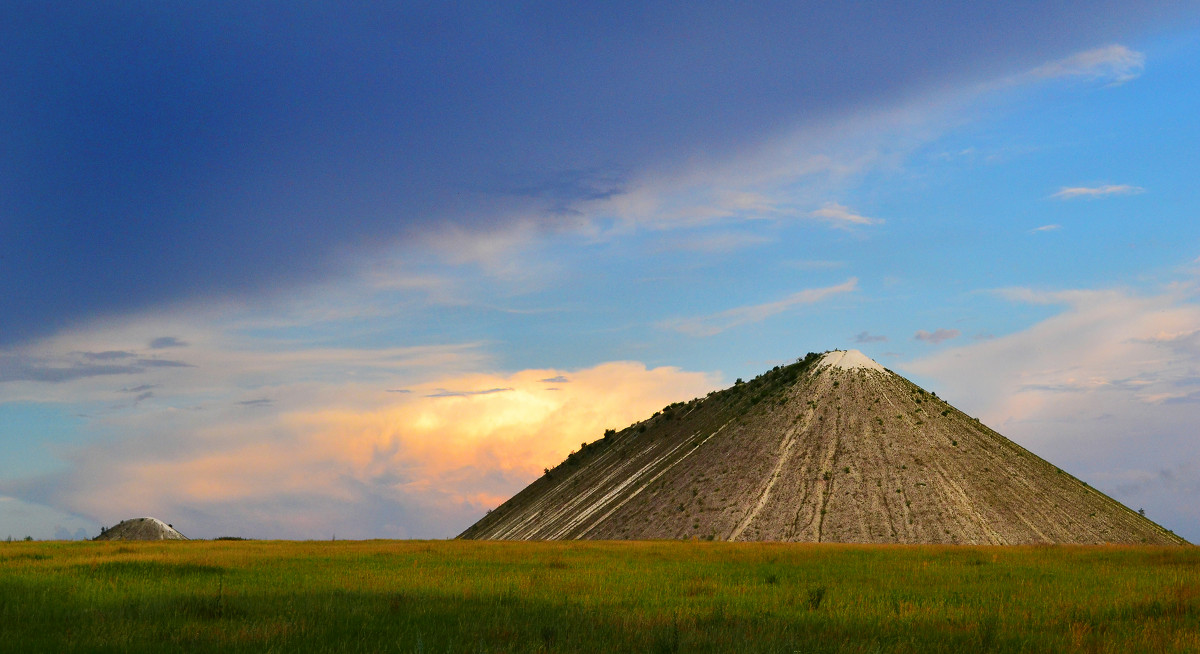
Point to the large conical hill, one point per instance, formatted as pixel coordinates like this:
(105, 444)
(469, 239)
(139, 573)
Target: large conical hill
(141, 529)
(833, 448)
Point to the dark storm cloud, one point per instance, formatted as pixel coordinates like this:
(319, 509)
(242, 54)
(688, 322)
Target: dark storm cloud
(153, 152)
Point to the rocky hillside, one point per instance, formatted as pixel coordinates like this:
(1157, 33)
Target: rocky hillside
(833, 448)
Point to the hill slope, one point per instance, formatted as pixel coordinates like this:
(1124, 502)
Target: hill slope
(141, 529)
(833, 448)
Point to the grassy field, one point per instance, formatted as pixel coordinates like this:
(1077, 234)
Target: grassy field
(455, 596)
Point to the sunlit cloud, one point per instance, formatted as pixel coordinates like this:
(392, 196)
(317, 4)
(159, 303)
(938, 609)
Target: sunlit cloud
(716, 323)
(447, 456)
(1072, 192)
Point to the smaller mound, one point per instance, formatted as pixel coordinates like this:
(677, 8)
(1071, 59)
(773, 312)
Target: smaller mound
(849, 360)
(141, 529)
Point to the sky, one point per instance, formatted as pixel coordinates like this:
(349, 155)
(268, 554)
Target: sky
(298, 271)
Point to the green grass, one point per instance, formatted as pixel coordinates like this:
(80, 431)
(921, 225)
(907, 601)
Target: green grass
(456, 596)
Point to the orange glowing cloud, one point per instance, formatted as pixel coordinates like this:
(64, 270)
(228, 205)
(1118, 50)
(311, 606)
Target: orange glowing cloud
(518, 423)
(465, 443)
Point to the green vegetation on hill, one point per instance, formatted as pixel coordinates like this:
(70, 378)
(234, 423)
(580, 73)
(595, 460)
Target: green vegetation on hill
(463, 596)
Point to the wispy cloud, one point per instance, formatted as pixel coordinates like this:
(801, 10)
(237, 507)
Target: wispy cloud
(163, 342)
(1115, 64)
(1045, 228)
(842, 217)
(937, 335)
(868, 337)
(16, 368)
(557, 379)
(163, 363)
(1070, 192)
(139, 389)
(442, 392)
(107, 355)
(719, 243)
(718, 322)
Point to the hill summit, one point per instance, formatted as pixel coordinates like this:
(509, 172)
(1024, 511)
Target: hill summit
(141, 529)
(833, 448)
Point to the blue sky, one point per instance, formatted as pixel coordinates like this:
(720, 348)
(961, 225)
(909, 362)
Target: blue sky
(290, 272)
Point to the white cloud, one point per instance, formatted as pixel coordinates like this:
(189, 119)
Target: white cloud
(1045, 228)
(1107, 388)
(841, 216)
(1115, 64)
(1070, 192)
(718, 322)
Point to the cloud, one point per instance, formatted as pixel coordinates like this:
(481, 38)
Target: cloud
(19, 518)
(415, 465)
(557, 379)
(719, 243)
(868, 337)
(1071, 192)
(54, 368)
(1045, 228)
(937, 336)
(441, 392)
(719, 322)
(842, 217)
(139, 389)
(16, 368)
(163, 342)
(1115, 64)
(412, 156)
(1105, 388)
(109, 355)
(163, 363)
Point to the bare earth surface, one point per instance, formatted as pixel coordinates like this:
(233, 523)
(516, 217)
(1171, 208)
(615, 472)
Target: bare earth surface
(142, 529)
(834, 448)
